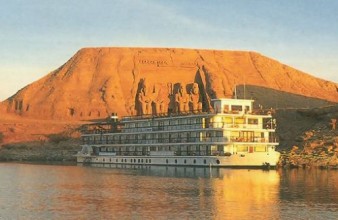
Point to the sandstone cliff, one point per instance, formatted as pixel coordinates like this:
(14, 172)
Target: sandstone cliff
(98, 81)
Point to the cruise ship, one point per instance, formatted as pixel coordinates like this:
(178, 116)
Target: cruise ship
(232, 134)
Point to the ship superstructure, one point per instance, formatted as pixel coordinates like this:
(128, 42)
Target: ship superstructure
(231, 135)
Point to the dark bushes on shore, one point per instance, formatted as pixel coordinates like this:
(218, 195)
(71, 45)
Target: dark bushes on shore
(1, 137)
(57, 138)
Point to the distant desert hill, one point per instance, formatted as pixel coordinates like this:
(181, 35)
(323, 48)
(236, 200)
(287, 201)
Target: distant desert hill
(96, 82)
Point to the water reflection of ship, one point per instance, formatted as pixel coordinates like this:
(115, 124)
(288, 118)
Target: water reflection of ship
(255, 193)
(190, 172)
(227, 193)
(167, 171)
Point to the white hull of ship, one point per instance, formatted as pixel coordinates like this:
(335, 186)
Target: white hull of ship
(236, 160)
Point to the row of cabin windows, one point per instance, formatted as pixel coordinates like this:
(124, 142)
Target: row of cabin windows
(168, 161)
(224, 119)
(183, 150)
(234, 108)
(123, 160)
(159, 148)
(170, 121)
(181, 124)
(183, 137)
(154, 137)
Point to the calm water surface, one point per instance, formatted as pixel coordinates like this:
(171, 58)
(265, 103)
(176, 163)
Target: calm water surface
(30, 191)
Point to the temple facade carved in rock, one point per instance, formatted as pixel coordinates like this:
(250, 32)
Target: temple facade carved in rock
(160, 99)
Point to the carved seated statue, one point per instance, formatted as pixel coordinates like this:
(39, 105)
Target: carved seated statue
(195, 103)
(182, 100)
(145, 99)
(161, 101)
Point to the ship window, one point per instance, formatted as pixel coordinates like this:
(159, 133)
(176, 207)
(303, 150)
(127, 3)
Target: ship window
(146, 160)
(167, 161)
(239, 120)
(175, 160)
(236, 108)
(218, 162)
(194, 160)
(253, 121)
(149, 160)
(173, 122)
(117, 160)
(219, 133)
(185, 161)
(214, 150)
(205, 161)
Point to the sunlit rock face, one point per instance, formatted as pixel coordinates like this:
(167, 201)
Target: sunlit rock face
(96, 82)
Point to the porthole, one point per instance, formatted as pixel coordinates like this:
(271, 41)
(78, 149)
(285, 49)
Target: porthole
(218, 162)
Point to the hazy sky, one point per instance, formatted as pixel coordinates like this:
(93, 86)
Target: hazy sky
(38, 36)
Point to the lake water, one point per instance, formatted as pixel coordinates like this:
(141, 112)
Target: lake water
(31, 191)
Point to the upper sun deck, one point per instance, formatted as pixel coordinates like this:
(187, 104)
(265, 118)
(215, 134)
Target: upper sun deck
(236, 106)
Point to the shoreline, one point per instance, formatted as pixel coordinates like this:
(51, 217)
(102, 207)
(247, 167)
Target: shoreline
(64, 153)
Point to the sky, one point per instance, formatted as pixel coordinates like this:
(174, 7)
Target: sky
(38, 36)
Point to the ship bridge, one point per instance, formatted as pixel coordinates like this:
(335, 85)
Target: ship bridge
(236, 106)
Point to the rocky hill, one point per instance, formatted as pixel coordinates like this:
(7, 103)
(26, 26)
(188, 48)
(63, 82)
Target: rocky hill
(96, 82)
